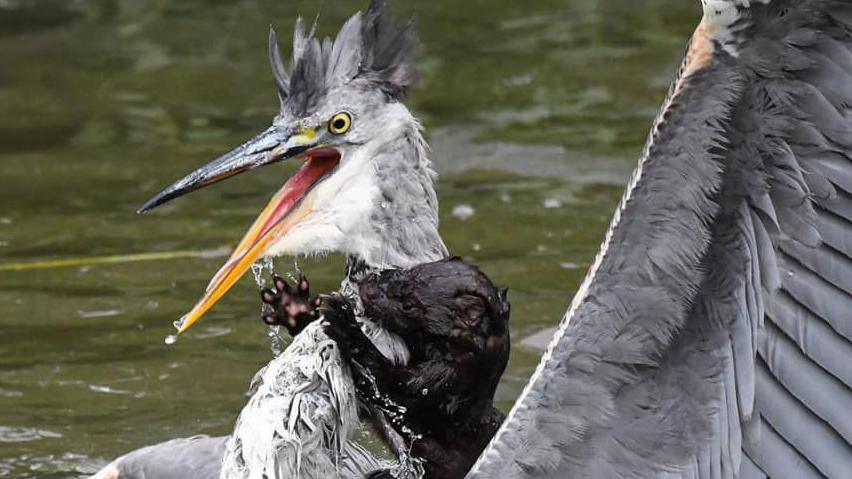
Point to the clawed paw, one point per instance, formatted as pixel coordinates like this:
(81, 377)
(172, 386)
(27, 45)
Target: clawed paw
(340, 324)
(292, 307)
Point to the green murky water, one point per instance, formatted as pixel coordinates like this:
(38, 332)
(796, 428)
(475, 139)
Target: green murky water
(535, 110)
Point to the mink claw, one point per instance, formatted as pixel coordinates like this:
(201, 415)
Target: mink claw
(291, 306)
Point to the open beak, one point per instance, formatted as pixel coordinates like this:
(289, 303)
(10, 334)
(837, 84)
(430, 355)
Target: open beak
(272, 145)
(289, 206)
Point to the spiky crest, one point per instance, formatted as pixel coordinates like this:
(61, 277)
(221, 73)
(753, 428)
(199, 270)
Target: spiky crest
(376, 46)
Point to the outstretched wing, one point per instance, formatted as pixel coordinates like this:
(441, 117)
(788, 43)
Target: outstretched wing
(712, 337)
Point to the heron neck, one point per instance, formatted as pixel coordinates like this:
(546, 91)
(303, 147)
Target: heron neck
(403, 229)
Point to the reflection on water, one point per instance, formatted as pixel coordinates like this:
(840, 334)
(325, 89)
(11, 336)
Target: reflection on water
(535, 111)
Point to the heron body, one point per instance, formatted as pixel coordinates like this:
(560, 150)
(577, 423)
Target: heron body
(712, 337)
(198, 457)
(300, 417)
(365, 189)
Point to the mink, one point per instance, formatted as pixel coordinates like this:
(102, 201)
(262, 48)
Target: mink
(454, 322)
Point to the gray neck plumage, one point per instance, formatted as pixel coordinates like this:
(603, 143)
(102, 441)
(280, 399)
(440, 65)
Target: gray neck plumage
(403, 230)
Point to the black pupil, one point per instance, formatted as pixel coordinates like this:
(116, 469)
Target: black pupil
(339, 124)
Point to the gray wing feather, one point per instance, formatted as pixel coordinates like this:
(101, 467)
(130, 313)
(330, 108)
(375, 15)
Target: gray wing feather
(813, 440)
(818, 295)
(750, 471)
(833, 167)
(777, 458)
(198, 457)
(813, 336)
(822, 260)
(840, 206)
(713, 335)
(814, 387)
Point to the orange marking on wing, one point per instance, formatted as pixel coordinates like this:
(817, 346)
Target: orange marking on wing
(700, 50)
(699, 55)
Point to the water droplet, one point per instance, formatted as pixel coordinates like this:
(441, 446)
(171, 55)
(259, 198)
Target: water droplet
(463, 211)
(276, 342)
(170, 339)
(552, 203)
(258, 269)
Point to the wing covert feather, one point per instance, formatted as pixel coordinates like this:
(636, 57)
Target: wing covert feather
(712, 337)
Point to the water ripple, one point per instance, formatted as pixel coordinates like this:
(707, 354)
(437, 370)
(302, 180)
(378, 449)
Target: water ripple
(25, 434)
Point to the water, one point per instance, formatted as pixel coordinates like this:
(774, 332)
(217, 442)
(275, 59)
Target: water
(103, 102)
(261, 270)
(406, 465)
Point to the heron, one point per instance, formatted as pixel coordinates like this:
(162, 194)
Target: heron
(365, 188)
(711, 337)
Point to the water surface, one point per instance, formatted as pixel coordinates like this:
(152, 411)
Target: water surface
(536, 112)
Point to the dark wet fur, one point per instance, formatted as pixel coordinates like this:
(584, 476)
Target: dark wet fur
(455, 323)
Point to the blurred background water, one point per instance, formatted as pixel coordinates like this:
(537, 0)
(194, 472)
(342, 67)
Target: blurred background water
(535, 111)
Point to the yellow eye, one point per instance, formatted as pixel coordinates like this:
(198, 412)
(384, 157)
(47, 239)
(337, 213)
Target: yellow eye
(340, 123)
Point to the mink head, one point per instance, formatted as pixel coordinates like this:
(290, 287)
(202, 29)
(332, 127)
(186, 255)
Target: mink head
(445, 298)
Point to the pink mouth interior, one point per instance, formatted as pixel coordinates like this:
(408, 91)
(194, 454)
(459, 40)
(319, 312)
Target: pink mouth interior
(319, 163)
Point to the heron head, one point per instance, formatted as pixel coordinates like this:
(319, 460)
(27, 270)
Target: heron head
(363, 166)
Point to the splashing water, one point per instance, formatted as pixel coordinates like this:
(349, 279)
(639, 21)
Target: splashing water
(258, 269)
(172, 338)
(262, 269)
(178, 324)
(408, 467)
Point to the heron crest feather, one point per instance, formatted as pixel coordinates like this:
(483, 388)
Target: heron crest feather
(375, 46)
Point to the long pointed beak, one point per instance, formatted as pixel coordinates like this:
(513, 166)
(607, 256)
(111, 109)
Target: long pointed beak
(274, 144)
(289, 206)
